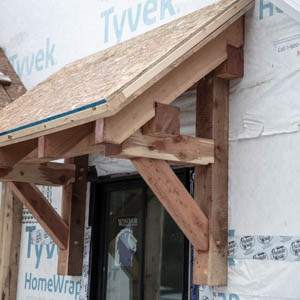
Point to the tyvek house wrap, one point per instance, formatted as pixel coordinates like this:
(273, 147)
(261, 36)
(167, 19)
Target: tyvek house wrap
(263, 163)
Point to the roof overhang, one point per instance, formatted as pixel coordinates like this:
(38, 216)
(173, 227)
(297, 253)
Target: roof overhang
(103, 84)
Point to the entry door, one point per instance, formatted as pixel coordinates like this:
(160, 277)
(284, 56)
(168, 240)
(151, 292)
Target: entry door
(142, 254)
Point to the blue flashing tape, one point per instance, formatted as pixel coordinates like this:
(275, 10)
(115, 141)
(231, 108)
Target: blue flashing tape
(54, 117)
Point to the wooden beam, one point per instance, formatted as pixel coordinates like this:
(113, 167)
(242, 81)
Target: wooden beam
(56, 145)
(178, 148)
(233, 67)
(165, 122)
(119, 127)
(10, 231)
(42, 211)
(211, 182)
(85, 146)
(53, 174)
(73, 212)
(175, 198)
(76, 141)
(12, 154)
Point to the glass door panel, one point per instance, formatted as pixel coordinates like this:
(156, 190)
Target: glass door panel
(124, 240)
(164, 254)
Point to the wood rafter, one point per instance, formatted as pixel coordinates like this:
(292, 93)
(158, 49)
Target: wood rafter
(142, 109)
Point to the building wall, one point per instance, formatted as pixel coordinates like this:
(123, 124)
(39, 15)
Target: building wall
(264, 135)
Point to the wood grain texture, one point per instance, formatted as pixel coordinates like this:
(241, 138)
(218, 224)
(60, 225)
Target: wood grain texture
(233, 67)
(211, 182)
(42, 211)
(70, 260)
(180, 79)
(11, 208)
(85, 146)
(56, 145)
(175, 198)
(144, 60)
(12, 154)
(165, 122)
(53, 174)
(10, 231)
(178, 148)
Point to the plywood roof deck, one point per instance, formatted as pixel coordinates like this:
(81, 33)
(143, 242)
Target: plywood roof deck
(103, 83)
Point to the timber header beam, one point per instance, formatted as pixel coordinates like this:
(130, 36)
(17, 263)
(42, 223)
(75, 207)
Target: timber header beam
(177, 148)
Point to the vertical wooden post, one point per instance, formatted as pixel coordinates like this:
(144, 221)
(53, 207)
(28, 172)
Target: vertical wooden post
(73, 212)
(10, 230)
(211, 182)
(11, 208)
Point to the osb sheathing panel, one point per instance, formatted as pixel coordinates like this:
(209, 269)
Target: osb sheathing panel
(117, 74)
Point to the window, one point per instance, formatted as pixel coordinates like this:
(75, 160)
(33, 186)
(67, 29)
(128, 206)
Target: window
(138, 252)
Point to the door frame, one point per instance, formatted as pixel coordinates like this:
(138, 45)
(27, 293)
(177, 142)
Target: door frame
(98, 248)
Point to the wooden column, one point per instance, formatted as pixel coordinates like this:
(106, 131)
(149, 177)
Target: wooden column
(11, 208)
(73, 212)
(10, 231)
(211, 182)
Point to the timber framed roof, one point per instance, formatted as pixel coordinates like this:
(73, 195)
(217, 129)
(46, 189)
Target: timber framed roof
(102, 84)
(117, 101)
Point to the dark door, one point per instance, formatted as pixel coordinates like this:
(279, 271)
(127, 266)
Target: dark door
(138, 251)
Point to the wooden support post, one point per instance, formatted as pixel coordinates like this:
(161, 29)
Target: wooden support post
(42, 211)
(211, 190)
(11, 208)
(53, 174)
(73, 212)
(165, 122)
(179, 149)
(10, 230)
(175, 198)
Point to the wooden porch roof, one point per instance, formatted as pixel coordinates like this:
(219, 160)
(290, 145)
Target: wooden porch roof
(102, 84)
